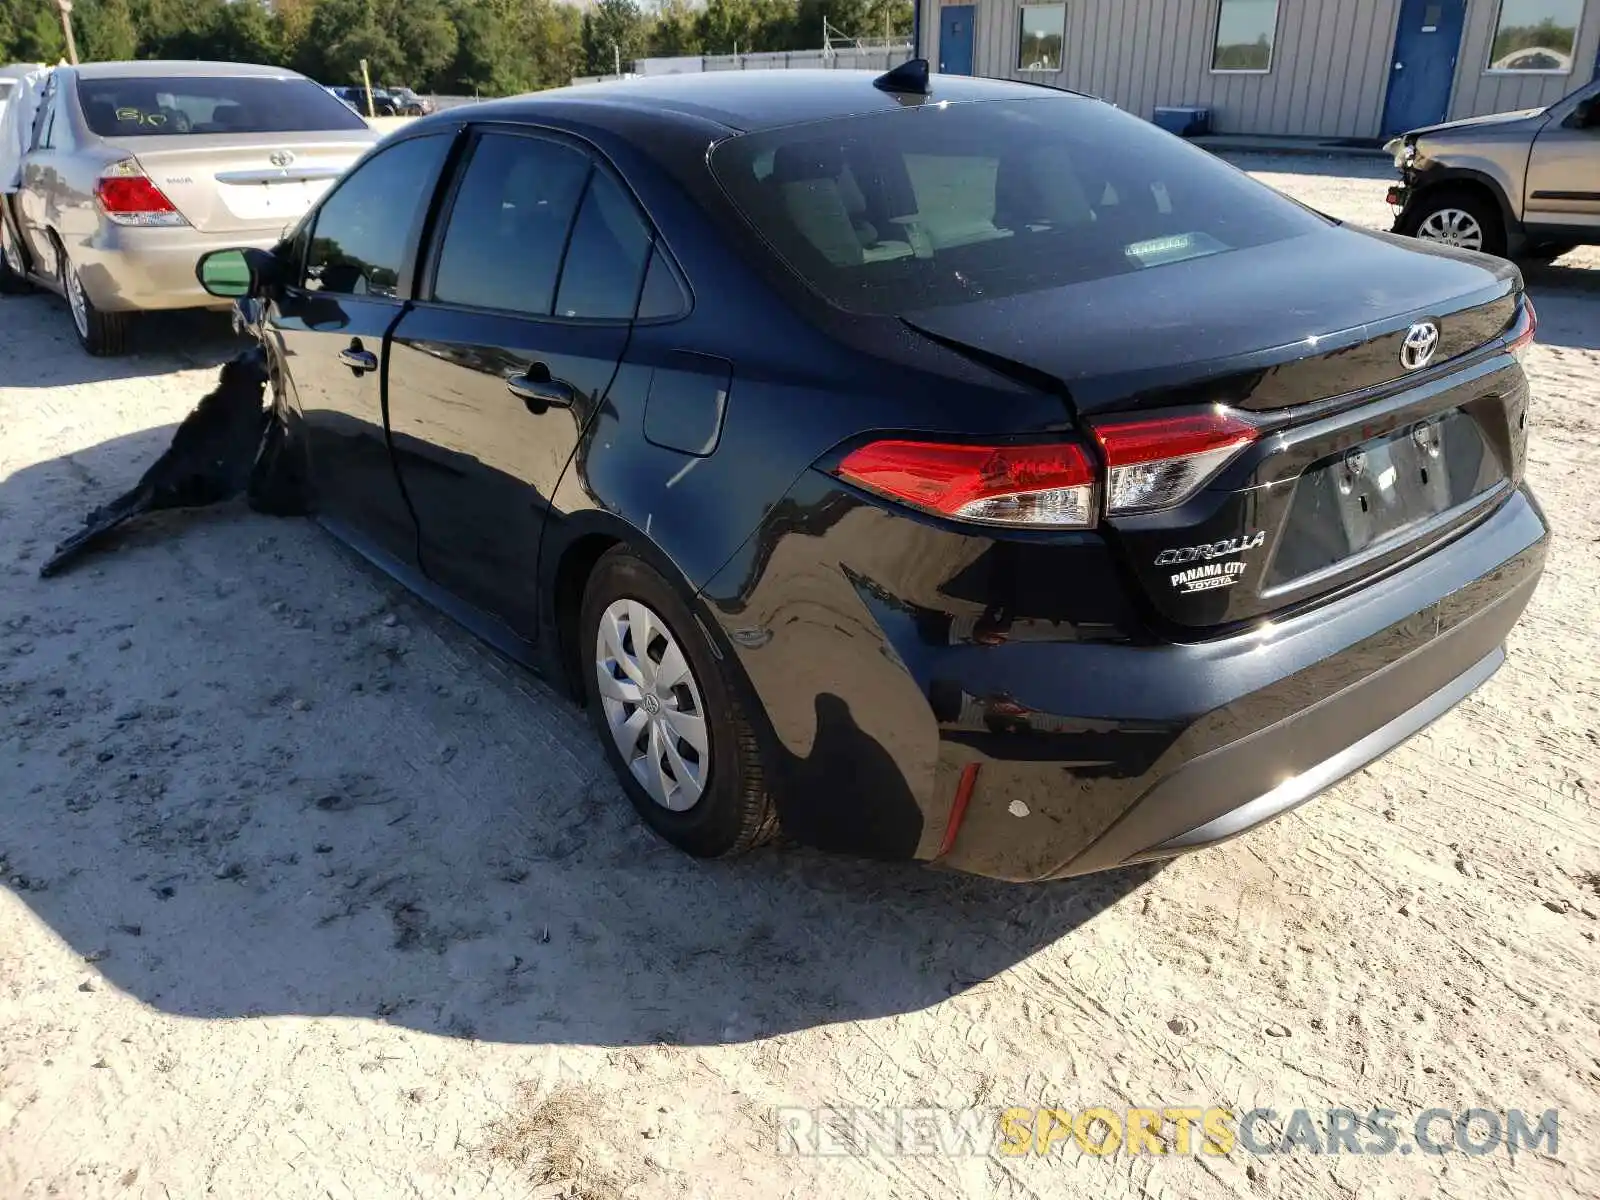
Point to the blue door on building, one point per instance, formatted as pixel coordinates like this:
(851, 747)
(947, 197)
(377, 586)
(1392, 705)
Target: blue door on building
(1426, 46)
(955, 39)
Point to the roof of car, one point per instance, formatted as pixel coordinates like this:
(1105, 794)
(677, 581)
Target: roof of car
(749, 100)
(181, 68)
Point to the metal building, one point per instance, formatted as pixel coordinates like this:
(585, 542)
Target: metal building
(1312, 68)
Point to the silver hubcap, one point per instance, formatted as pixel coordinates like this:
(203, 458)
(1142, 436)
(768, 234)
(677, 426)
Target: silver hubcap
(652, 704)
(1453, 227)
(75, 300)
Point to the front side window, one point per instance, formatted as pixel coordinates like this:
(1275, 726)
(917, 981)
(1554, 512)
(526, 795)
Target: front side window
(1043, 32)
(1536, 36)
(1246, 30)
(510, 223)
(930, 206)
(225, 104)
(361, 233)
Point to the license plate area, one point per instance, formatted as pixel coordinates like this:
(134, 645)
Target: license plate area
(1378, 493)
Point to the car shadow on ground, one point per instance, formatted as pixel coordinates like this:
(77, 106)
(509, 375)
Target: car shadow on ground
(247, 775)
(157, 343)
(1565, 298)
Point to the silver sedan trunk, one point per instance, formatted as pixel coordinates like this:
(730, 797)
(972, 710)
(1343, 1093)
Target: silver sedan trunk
(136, 169)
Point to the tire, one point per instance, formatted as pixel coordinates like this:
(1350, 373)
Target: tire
(731, 812)
(1458, 217)
(13, 280)
(102, 334)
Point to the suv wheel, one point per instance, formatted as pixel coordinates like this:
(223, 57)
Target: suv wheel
(666, 713)
(102, 334)
(1458, 218)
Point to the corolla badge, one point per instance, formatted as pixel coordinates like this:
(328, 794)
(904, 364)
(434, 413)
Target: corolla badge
(281, 158)
(1422, 339)
(1209, 550)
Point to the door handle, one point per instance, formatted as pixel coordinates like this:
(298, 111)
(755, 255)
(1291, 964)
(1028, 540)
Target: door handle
(357, 359)
(538, 392)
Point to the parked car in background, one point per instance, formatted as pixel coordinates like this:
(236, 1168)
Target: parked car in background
(409, 103)
(382, 104)
(1524, 184)
(135, 169)
(954, 470)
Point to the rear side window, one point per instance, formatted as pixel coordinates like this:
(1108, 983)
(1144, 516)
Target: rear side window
(606, 259)
(361, 232)
(509, 224)
(164, 107)
(931, 206)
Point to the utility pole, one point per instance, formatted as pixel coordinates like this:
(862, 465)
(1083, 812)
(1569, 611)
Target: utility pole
(66, 27)
(616, 60)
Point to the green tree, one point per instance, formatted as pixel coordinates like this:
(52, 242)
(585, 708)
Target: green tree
(675, 30)
(613, 33)
(104, 30)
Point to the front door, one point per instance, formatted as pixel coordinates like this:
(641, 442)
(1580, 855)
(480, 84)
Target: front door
(1423, 70)
(955, 39)
(356, 254)
(1564, 172)
(508, 353)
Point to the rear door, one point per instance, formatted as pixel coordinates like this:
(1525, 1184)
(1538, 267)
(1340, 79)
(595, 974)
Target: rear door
(506, 356)
(357, 256)
(41, 178)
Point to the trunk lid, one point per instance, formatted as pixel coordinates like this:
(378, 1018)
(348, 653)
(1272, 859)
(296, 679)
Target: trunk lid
(246, 183)
(1267, 327)
(1362, 461)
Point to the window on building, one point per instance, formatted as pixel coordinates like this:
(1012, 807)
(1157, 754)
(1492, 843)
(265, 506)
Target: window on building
(1536, 36)
(1044, 31)
(1246, 30)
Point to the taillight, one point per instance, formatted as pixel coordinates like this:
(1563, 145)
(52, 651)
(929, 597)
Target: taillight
(1038, 487)
(1158, 462)
(128, 197)
(1522, 334)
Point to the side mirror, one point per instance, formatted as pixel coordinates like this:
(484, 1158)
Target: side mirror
(232, 274)
(1587, 114)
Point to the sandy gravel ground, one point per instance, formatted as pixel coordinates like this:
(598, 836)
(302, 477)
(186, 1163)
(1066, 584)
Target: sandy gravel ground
(302, 894)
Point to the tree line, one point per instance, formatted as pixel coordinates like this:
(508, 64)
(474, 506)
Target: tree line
(450, 47)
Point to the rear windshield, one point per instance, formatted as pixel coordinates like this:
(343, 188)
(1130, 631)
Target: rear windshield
(937, 205)
(159, 107)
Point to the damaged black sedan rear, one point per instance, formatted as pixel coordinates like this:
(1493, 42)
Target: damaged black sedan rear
(947, 469)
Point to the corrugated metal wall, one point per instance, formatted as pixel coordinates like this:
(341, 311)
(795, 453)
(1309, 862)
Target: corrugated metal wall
(1330, 62)
(1478, 92)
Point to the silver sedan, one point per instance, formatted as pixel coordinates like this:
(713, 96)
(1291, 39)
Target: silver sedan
(136, 169)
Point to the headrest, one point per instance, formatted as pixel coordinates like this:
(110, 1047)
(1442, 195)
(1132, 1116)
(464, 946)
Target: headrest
(797, 162)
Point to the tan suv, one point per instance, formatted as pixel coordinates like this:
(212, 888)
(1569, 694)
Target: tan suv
(1518, 184)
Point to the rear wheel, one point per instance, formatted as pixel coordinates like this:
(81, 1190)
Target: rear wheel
(665, 711)
(13, 276)
(102, 334)
(1454, 217)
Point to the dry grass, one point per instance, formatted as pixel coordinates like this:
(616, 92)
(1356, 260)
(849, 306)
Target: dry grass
(549, 1137)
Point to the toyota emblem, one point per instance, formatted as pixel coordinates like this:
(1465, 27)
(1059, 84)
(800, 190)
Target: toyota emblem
(1422, 339)
(281, 158)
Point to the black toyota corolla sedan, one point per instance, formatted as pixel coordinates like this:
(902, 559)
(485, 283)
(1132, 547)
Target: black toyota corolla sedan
(939, 468)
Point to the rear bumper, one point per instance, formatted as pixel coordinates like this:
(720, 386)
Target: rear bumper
(1259, 724)
(128, 268)
(1053, 745)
